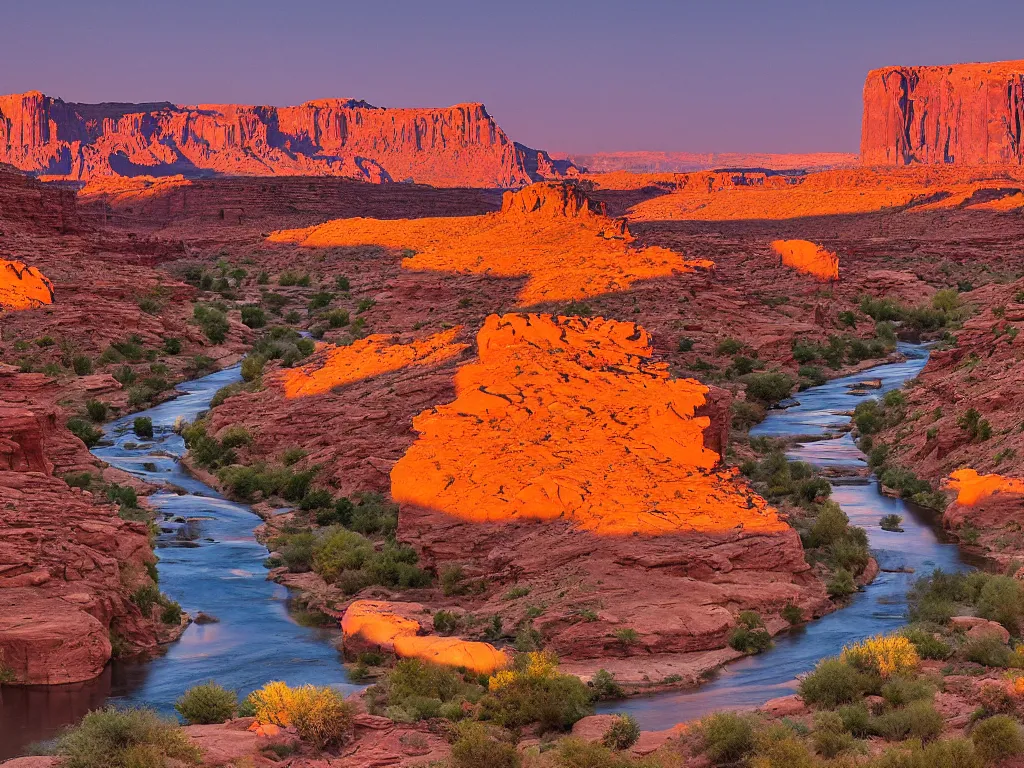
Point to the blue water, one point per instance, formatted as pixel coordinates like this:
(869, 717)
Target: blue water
(880, 607)
(211, 563)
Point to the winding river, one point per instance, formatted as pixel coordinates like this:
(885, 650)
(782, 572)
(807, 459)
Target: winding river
(210, 561)
(878, 608)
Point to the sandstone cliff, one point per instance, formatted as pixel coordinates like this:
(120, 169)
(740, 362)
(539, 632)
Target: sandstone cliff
(456, 146)
(965, 114)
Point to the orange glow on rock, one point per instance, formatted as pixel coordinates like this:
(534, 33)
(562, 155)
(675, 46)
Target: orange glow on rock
(23, 287)
(972, 487)
(376, 354)
(549, 232)
(804, 256)
(382, 624)
(569, 418)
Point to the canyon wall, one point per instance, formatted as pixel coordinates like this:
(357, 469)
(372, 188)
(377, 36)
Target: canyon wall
(455, 146)
(965, 114)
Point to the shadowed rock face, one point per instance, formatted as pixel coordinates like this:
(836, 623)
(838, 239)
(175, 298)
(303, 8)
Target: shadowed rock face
(965, 114)
(460, 145)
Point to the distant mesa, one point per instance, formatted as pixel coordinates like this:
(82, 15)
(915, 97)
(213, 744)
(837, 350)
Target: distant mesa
(570, 419)
(687, 162)
(376, 354)
(549, 232)
(809, 258)
(454, 146)
(963, 114)
(23, 287)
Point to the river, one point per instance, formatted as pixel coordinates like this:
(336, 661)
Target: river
(878, 608)
(210, 563)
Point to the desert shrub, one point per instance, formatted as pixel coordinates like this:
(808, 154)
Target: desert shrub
(918, 720)
(252, 367)
(884, 655)
(768, 388)
(778, 746)
(318, 498)
(891, 522)
(213, 322)
(578, 753)
(290, 277)
(319, 300)
(833, 682)
(129, 738)
(750, 636)
(987, 651)
(841, 584)
(207, 703)
(172, 346)
(96, 410)
(1001, 599)
(792, 613)
(143, 426)
(81, 480)
(320, 714)
(746, 414)
(997, 738)
(900, 691)
(831, 737)
(976, 427)
(254, 317)
(81, 365)
(604, 686)
(622, 734)
(336, 318)
(446, 622)
(726, 737)
(535, 692)
(856, 719)
(452, 578)
(476, 747)
(728, 346)
(373, 514)
(84, 431)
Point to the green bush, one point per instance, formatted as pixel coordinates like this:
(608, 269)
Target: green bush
(841, 584)
(206, 704)
(900, 691)
(81, 365)
(856, 719)
(997, 738)
(793, 614)
(831, 737)
(172, 346)
(917, 720)
(768, 388)
(97, 410)
(553, 701)
(1001, 599)
(927, 644)
(891, 522)
(131, 738)
(987, 651)
(143, 426)
(750, 641)
(728, 346)
(604, 686)
(84, 431)
(475, 747)
(446, 622)
(254, 317)
(726, 737)
(833, 683)
(622, 734)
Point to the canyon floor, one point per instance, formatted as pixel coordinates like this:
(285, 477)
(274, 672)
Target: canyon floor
(477, 424)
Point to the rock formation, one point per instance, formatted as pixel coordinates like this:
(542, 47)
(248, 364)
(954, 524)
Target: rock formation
(569, 459)
(550, 232)
(804, 256)
(68, 563)
(972, 488)
(683, 162)
(457, 146)
(392, 627)
(22, 286)
(964, 114)
(376, 354)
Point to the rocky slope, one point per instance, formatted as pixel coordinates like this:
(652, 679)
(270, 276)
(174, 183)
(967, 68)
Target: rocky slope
(456, 146)
(964, 114)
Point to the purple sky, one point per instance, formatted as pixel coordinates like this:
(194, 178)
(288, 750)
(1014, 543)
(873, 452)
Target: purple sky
(714, 75)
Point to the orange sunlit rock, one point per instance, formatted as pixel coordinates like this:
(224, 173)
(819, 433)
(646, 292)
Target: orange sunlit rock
(804, 256)
(23, 287)
(549, 232)
(972, 487)
(569, 418)
(376, 354)
(390, 626)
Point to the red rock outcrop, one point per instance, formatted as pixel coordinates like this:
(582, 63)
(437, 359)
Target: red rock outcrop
(392, 627)
(22, 286)
(964, 114)
(68, 563)
(450, 147)
(804, 256)
(570, 461)
(550, 232)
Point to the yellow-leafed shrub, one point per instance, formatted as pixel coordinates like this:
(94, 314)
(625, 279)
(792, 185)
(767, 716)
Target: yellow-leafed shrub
(320, 715)
(884, 655)
(536, 665)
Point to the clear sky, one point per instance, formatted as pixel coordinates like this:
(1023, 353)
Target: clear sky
(562, 75)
